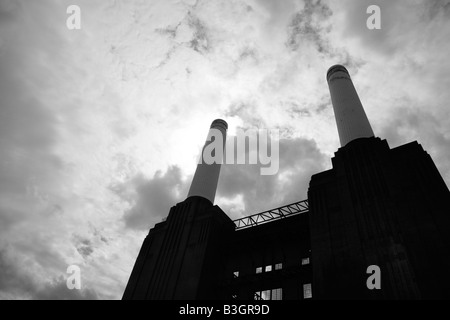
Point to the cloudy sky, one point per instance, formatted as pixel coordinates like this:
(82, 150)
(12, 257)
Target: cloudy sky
(100, 128)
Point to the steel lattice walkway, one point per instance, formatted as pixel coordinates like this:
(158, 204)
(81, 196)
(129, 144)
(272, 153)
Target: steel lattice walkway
(270, 215)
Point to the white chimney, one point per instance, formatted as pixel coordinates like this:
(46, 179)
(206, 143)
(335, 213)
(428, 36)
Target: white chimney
(204, 183)
(351, 120)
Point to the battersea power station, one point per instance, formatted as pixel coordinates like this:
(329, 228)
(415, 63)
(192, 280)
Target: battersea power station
(379, 215)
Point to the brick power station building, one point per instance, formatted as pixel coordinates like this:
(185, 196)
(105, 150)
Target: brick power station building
(376, 206)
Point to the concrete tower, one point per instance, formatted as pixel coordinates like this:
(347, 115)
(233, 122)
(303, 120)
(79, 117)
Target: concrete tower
(351, 120)
(379, 207)
(204, 183)
(182, 257)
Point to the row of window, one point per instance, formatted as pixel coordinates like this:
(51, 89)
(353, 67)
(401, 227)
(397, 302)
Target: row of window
(277, 294)
(278, 266)
(274, 294)
(268, 268)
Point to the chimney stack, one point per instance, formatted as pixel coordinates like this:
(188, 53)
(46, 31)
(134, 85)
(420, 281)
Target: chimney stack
(351, 120)
(204, 183)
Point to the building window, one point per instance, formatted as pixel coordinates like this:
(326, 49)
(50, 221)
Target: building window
(259, 270)
(274, 294)
(277, 294)
(278, 266)
(307, 292)
(268, 268)
(236, 274)
(265, 295)
(305, 261)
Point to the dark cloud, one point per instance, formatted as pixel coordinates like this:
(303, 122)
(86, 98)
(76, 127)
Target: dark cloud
(299, 159)
(404, 24)
(27, 131)
(296, 110)
(17, 280)
(14, 281)
(306, 26)
(8, 10)
(356, 16)
(413, 124)
(28, 126)
(437, 7)
(249, 54)
(84, 246)
(9, 216)
(199, 41)
(152, 198)
(28, 167)
(100, 236)
(322, 107)
(171, 31)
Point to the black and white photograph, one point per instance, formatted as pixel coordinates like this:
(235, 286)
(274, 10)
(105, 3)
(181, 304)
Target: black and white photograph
(223, 153)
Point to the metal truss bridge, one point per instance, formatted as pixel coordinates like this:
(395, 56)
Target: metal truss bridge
(271, 215)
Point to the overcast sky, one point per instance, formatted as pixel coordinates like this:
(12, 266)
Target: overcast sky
(100, 128)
